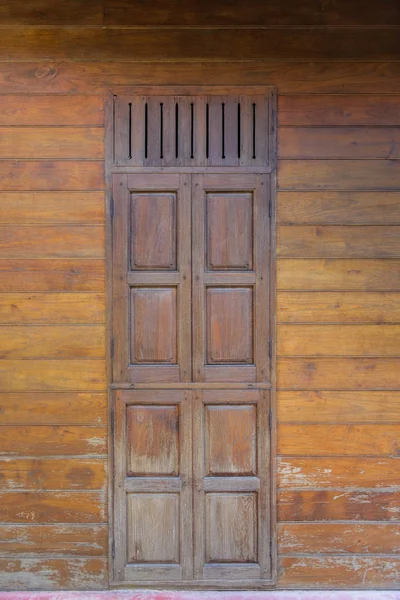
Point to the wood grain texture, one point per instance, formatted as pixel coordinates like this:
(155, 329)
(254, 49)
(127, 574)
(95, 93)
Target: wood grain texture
(48, 208)
(51, 175)
(337, 307)
(295, 77)
(52, 507)
(113, 44)
(338, 373)
(53, 573)
(51, 142)
(342, 472)
(338, 208)
(339, 538)
(42, 12)
(338, 505)
(54, 408)
(225, 14)
(68, 540)
(39, 275)
(46, 110)
(45, 440)
(338, 440)
(52, 473)
(51, 307)
(338, 110)
(338, 340)
(48, 375)
(318, 241)
(338, 142)
(338, 274)
(341, 407)
(339, 572)
(339, 175)
(52, 241)
(52, 341)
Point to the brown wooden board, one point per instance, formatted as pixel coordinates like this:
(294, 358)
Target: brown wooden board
(51, 175)
(339, 208)
(51, 142)
(340, 407)
(51, 307)
(48, 375)
(52, 473)
(42, 440)
(342, 472)
(43, 12)
(339, 110)
(46, 110)
(337, 307)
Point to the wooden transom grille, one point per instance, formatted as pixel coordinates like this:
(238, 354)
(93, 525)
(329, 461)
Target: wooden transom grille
(193, 130)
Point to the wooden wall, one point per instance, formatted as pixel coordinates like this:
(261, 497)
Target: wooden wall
(335, 64)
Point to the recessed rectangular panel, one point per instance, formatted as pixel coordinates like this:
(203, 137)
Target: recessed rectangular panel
(229, 230)
(229, 317)
(231, 438)
(153, 528)
(153, 440)
(153, 326)
(231, 527)
(153, 231)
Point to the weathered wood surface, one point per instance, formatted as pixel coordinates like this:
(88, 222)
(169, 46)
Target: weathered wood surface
(337, 307)
(42, 111)
(46, 440)
(341, 407)
(52, 375)
(342, 472)
(52, 473)
(53, 408)
(68, 540)
(51, 307)
(51, 175)
(338, 208)
(266, 43)
(52, 142)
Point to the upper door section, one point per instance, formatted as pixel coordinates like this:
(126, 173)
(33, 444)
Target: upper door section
(203, 127)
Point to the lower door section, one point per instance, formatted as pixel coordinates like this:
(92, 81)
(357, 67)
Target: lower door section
(192, 488)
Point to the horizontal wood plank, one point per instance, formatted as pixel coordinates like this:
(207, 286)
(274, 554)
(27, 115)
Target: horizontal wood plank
(52, 408)
(338, 505)
(341, 472)
(51, 307)
(52, 142)
(68, 540)
(338, 110)
(339, 572)
(52, 241)
(52, 341)
(338, 373)
(47, 208)
(338, 274)
(52, 507)
(46, 110)
(53, 573)
(318, 241)
(291, 77)
(51, 175)
(43, 12)
(31, 275)
(52, 473)
(48, 375)
(338, 142)
(339, 538)
(339, 175)
(341, 407)
(337, 340)
(52, 440)
(225, 14)
(338, 440)
(114, 44)
(337, 307)
(338, 208)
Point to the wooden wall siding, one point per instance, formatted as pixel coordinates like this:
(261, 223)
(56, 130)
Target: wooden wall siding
(335, 64)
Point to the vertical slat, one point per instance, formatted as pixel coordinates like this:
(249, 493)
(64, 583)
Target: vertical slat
(120, 521)
(184, 290)
(198, 488)
(198, 295)
(121, 130)
(264, 496)
(215, 130)
(153, 131)
(169, 158)
(261, 252)
(137, 140)
(186, 461)
(231, 131)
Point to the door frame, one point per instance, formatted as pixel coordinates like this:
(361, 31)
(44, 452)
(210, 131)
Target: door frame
(110, 169)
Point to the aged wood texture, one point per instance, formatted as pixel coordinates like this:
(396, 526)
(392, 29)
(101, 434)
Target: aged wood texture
(51, 308)
(51, 175)
(52, 375)
(52, 143)
(47, 110)
(45, 440)
(53, 507)
(52, 473)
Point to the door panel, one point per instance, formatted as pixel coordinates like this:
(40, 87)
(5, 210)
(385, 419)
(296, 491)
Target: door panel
(152, 278)
(231, 498)
(153, 492)
(230, 278)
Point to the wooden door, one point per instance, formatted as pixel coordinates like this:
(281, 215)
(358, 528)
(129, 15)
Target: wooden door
(191, 255)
